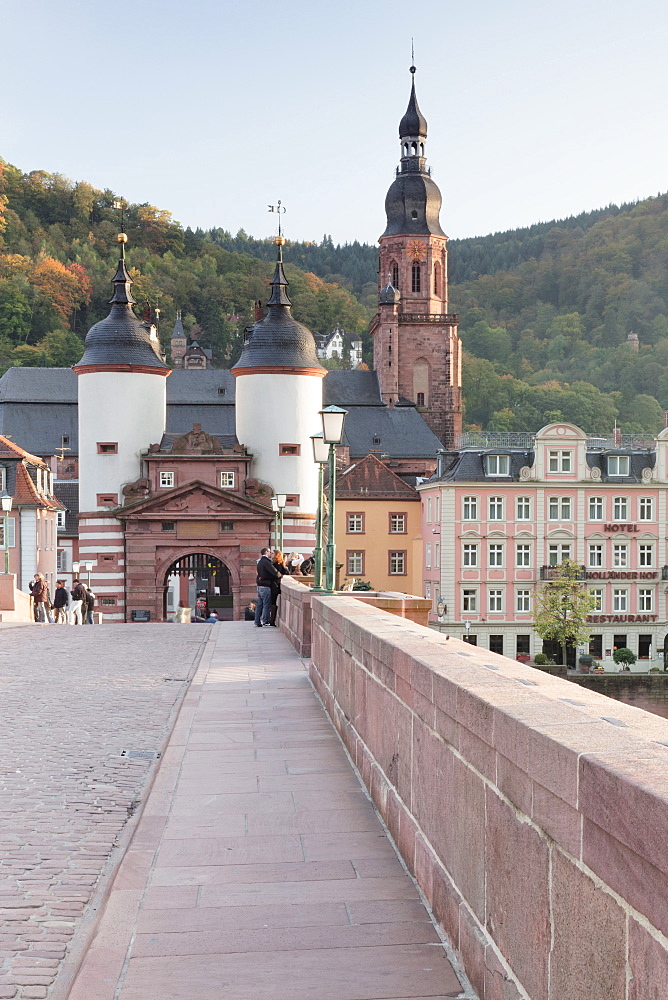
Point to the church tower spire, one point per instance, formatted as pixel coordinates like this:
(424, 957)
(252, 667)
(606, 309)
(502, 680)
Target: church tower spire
(417, 352)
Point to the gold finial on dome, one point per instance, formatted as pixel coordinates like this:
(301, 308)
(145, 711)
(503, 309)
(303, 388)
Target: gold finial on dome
(122, 237)
(279, 241)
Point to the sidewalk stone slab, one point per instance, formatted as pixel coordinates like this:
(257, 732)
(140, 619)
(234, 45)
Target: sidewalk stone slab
(266, 873)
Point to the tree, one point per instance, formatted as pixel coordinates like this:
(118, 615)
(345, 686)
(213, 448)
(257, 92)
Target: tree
(562, 607)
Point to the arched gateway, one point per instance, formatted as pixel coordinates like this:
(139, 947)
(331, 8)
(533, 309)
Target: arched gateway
(200, 581)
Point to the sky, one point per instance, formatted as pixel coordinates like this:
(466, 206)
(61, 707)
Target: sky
(214, 109)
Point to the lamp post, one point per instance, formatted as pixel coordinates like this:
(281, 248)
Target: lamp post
(89, 568)
(277, 504)
(75, 570)
(467, 626)
(332, 432)
(321, 457)
(6, 502)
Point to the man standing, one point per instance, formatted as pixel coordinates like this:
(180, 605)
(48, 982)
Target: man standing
(61, 600)
(266, 573)
(40, 594)
(78, 600)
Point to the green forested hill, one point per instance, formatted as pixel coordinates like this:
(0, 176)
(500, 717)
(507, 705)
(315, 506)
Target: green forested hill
(545, 311)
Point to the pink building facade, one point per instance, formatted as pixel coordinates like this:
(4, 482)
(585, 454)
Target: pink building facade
(505, 509)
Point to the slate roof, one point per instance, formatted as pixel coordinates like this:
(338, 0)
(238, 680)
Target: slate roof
(228, 442)
(469, 466)
(352, 388)
(401, 433)
(67, 491)
(413, 192)
(369, 479)
(414, 122)
(639, 460)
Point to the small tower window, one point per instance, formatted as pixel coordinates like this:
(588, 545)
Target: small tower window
(437, 279)
(416, 278)
(395, 275)
(414, 148)
(420, 399)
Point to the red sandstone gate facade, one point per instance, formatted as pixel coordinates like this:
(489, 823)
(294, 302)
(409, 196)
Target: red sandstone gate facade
(197, 517)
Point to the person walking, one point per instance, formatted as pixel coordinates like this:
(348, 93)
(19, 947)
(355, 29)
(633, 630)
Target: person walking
(279, 563)
(40, 595)
(61, 603)
(78, 598)
(266, 573)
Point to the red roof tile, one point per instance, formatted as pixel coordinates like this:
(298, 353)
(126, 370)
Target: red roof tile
(370, 479)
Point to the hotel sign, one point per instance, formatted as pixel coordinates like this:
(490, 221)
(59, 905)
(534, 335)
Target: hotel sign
(622, 575)
(621, 527)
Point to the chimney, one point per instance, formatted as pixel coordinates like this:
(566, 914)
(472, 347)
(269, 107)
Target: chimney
(258, 311)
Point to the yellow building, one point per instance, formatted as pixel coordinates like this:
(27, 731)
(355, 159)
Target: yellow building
(378, 536)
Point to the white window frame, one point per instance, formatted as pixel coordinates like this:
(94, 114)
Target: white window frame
(619, 465)
(428, 510)
(437, 555)
(646, 509)
(60, 518)
(397, 563)
(497, 465)
(556, 549)
(595, 555)
(470, 555)
(227, 480)
(355, 524)
(397, 524)
(469, 600)
(495, 600)
(645, 600)
(560, 461)
(470, 509)
(523, 509)
(597, 593)
(495, 508)
(166, 480)
(596, 509)
(560, 509)
(427, 555)
(620, 509)
(11, 534)
(620, 599)
(645, 555)
(3, 477)
(354, 560)
(495, 554)
(620, 555)
(523, 601)
(522, 555)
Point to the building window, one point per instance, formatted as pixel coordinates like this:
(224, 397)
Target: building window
(427, 590)
(496, 555)
(469, 600)
(60, 518)
(644, 647)
(645, 555)
(618, 465)
(355, 524)
(523, 509)
(107, 447)
(61, 561)
(595, 508)
(168, 526)
(620, 555)
(620, 600)
(289, 449)
(560, 461)
(395, 275)
(470, 554)
(437, 508)
(496, 644)
(227, 525)
(107, 499)
(427, 555)
(355, 563)
(558, 552)
(646, 510)
(108, 602)
(397, 563)
(496, 508)
(437, 555)
(416, 278)
(645, 600)
(597, 594)
(470, 511)
(498, 465)
(595, 556)
(596, 646)
(428, 510)
(495, 598)
(227, 481)
(523, 600)
(420, 399)
(3, 478)
(522, 555)
(559, 509)
(523, 645)
(292, 499)
(620, 509)
(397, 524)
(166, 479)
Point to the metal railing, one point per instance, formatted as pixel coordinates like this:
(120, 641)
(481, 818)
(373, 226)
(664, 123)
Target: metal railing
(552, 572)
(495, 439)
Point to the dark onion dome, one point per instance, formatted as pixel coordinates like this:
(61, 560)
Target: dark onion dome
(412, 206)
(278, 342)
(414, 122)
(121, 342)
(389, 295)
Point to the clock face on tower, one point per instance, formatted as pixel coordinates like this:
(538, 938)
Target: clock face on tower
(416, 250)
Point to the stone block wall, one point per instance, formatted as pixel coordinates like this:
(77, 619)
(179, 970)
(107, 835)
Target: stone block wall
(533, 813)
(14, 604)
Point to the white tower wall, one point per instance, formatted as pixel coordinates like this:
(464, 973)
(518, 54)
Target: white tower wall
(281, 408)
(125, 408)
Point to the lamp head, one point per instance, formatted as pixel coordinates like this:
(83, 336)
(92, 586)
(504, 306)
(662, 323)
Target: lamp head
(281, 500)
(5, 502)
(75, 568)
(332, 424)
(89, 566)
(274, 504)
(320, 449)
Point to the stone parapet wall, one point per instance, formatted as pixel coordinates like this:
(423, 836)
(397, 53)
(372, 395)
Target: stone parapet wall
(14, 604)
(532, 813)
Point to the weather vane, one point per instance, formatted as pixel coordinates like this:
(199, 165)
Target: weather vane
(412, 57)
(280, 209)
(119, 204)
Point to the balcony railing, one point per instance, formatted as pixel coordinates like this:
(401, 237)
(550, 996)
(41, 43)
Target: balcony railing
(552, 572)
(448, 318)
(495, 439)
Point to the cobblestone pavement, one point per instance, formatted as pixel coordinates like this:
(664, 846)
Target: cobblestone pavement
(71, 700)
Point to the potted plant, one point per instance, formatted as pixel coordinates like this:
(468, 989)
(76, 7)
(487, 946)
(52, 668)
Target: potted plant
(625, 657)
(586, 662)
(541, 659)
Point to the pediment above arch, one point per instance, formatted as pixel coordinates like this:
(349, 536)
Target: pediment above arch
(198, 498)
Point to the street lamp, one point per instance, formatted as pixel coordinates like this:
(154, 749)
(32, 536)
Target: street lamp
(467, 626)
(321, 457)
(6, 502)
(332, 432)
(89, 568)
(277, 504)
(75, 570)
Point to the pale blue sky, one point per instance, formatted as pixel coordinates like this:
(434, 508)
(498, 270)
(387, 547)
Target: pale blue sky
(214, 108)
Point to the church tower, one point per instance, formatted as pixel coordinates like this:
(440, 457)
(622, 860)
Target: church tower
(121, 389)
(278, 399)
(417, 352)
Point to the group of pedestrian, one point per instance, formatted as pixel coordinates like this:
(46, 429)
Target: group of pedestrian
(69, 607)
(271, 566)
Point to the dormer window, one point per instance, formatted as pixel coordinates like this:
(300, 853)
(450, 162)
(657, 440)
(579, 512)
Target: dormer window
(498, 465)
(560, 461)
(3, 478)
(618, 465)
